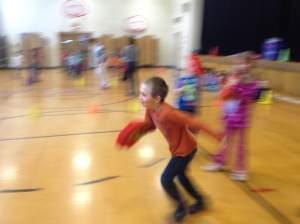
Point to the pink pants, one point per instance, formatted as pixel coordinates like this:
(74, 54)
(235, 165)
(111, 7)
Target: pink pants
(222, 155)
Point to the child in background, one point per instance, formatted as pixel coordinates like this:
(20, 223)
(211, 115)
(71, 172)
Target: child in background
(35, 65)
(116, 63)
(195, 65)
(238, 94)
(187, 87)
(79, 58)
(17, 62)
(100, 62)
(64, 59)
(130, 57)
(71, 63)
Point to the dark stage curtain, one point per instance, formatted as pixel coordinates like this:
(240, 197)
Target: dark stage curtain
(239, 25)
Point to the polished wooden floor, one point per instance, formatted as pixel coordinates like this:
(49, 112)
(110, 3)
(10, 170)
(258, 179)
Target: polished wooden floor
(59, 163)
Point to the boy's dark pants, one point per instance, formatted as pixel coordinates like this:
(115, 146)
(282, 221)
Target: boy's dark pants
(176, 168)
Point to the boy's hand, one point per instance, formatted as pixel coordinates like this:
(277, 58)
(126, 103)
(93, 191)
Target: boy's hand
(129, 141)
(131, 134)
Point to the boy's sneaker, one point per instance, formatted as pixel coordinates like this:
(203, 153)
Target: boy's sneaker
(180, 213)
(197, 206)
(239, 175)
(211, 167)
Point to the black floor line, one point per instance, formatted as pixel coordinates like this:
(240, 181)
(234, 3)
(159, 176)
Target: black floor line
(7, 191)
(277, 214)
(59, 113)
(12, 117)
(260, 200)
(57, 135)
(97, 180)
(53, 109)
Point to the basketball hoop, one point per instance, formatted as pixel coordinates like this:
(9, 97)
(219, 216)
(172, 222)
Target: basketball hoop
(135, 24)
(75, 8)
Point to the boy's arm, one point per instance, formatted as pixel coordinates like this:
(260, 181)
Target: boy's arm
(149, 124)
(192, 123)
(134, 130)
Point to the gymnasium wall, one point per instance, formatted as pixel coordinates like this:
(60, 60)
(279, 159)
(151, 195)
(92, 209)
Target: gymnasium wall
(1, 19)
(104, 17)
(187, 28)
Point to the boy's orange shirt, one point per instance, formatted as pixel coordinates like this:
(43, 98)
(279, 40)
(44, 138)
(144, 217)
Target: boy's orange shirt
(177, 127)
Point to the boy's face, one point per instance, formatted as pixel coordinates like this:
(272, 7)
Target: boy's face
(146, 99)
